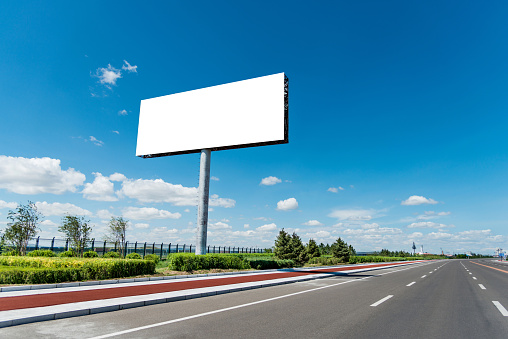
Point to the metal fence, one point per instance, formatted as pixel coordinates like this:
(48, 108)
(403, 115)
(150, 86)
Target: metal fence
(59, 245)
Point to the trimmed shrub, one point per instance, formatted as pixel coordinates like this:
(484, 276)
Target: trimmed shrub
(68, 254)
(191, 262)
(133, 256)
(267, 264)
(324, 261)
(89, 269)
(41, 253)
(11, 253)
(31, 275)
(153, 257)
(90, 254)
(111, 254)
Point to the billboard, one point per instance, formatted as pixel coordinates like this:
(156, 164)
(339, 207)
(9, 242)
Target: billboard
(246, 113)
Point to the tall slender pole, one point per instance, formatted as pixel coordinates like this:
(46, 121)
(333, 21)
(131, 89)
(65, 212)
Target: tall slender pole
(203, 193)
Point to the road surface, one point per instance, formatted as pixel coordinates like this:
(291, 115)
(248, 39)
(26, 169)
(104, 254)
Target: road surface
(439, 299)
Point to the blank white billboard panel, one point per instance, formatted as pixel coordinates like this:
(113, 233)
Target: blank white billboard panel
(239, 114)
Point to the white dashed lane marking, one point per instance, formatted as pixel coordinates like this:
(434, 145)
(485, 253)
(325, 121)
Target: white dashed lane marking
(501, 308)
(381, 301)
(423, 276)
(482, 287)
(414, 282)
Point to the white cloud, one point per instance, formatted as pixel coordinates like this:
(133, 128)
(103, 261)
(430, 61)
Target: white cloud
(312, 223)
(243, 233)
(108, 76)
(418, 200)
(214, 178)
(126, 66)
(370, 226)
(432, 215)
(101, 189)
(4, 204)
(221, 202)
(270, 181)
(246, 225)
(104, 214)
(318, 234)
(141, 225)
(426, 224)
(160, 191)
(353, 215)
(335, 189)
(116, 132)
(123, 112)
(219, 226)
(49, 223)
(56, 208)
(267, 228)
(260, 218)
(117, 177)
(37, 175)
(186, 210)
(148, 213)
(288, 204)
(96, 141)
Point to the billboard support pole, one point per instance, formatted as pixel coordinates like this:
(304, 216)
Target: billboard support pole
(203, 193)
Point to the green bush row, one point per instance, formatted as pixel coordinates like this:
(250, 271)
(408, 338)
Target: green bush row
(96, 268)
(48, 275)
(324, 260)
(371, 258)
(191, 262)
(268, 264)
(32, 275)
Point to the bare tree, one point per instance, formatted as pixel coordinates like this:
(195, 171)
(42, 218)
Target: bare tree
(24, 225)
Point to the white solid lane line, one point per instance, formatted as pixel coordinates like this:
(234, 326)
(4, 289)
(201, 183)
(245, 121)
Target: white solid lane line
(414, 282)
(501, 309)
(482, 287)
(423, 276)
(381, 301)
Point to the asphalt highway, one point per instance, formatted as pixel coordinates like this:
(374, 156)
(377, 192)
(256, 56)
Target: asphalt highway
(439, 299)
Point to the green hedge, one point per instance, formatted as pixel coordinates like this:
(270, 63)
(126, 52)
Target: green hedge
(32, 275)
(324, 261)
(267, 264)
(41, 253)
(371, 258)
(191, 262)
(90, 269)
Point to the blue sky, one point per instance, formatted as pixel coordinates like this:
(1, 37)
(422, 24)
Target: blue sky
(397, 119)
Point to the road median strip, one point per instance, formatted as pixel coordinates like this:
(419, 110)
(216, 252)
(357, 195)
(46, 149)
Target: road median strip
(47, 304)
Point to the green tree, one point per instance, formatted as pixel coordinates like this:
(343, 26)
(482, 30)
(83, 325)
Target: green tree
(352, 251)
(78, 230)
(300, 255)
(25, 220)
(313, 249)
(282, 248)
(117, 230)
(340, 250)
